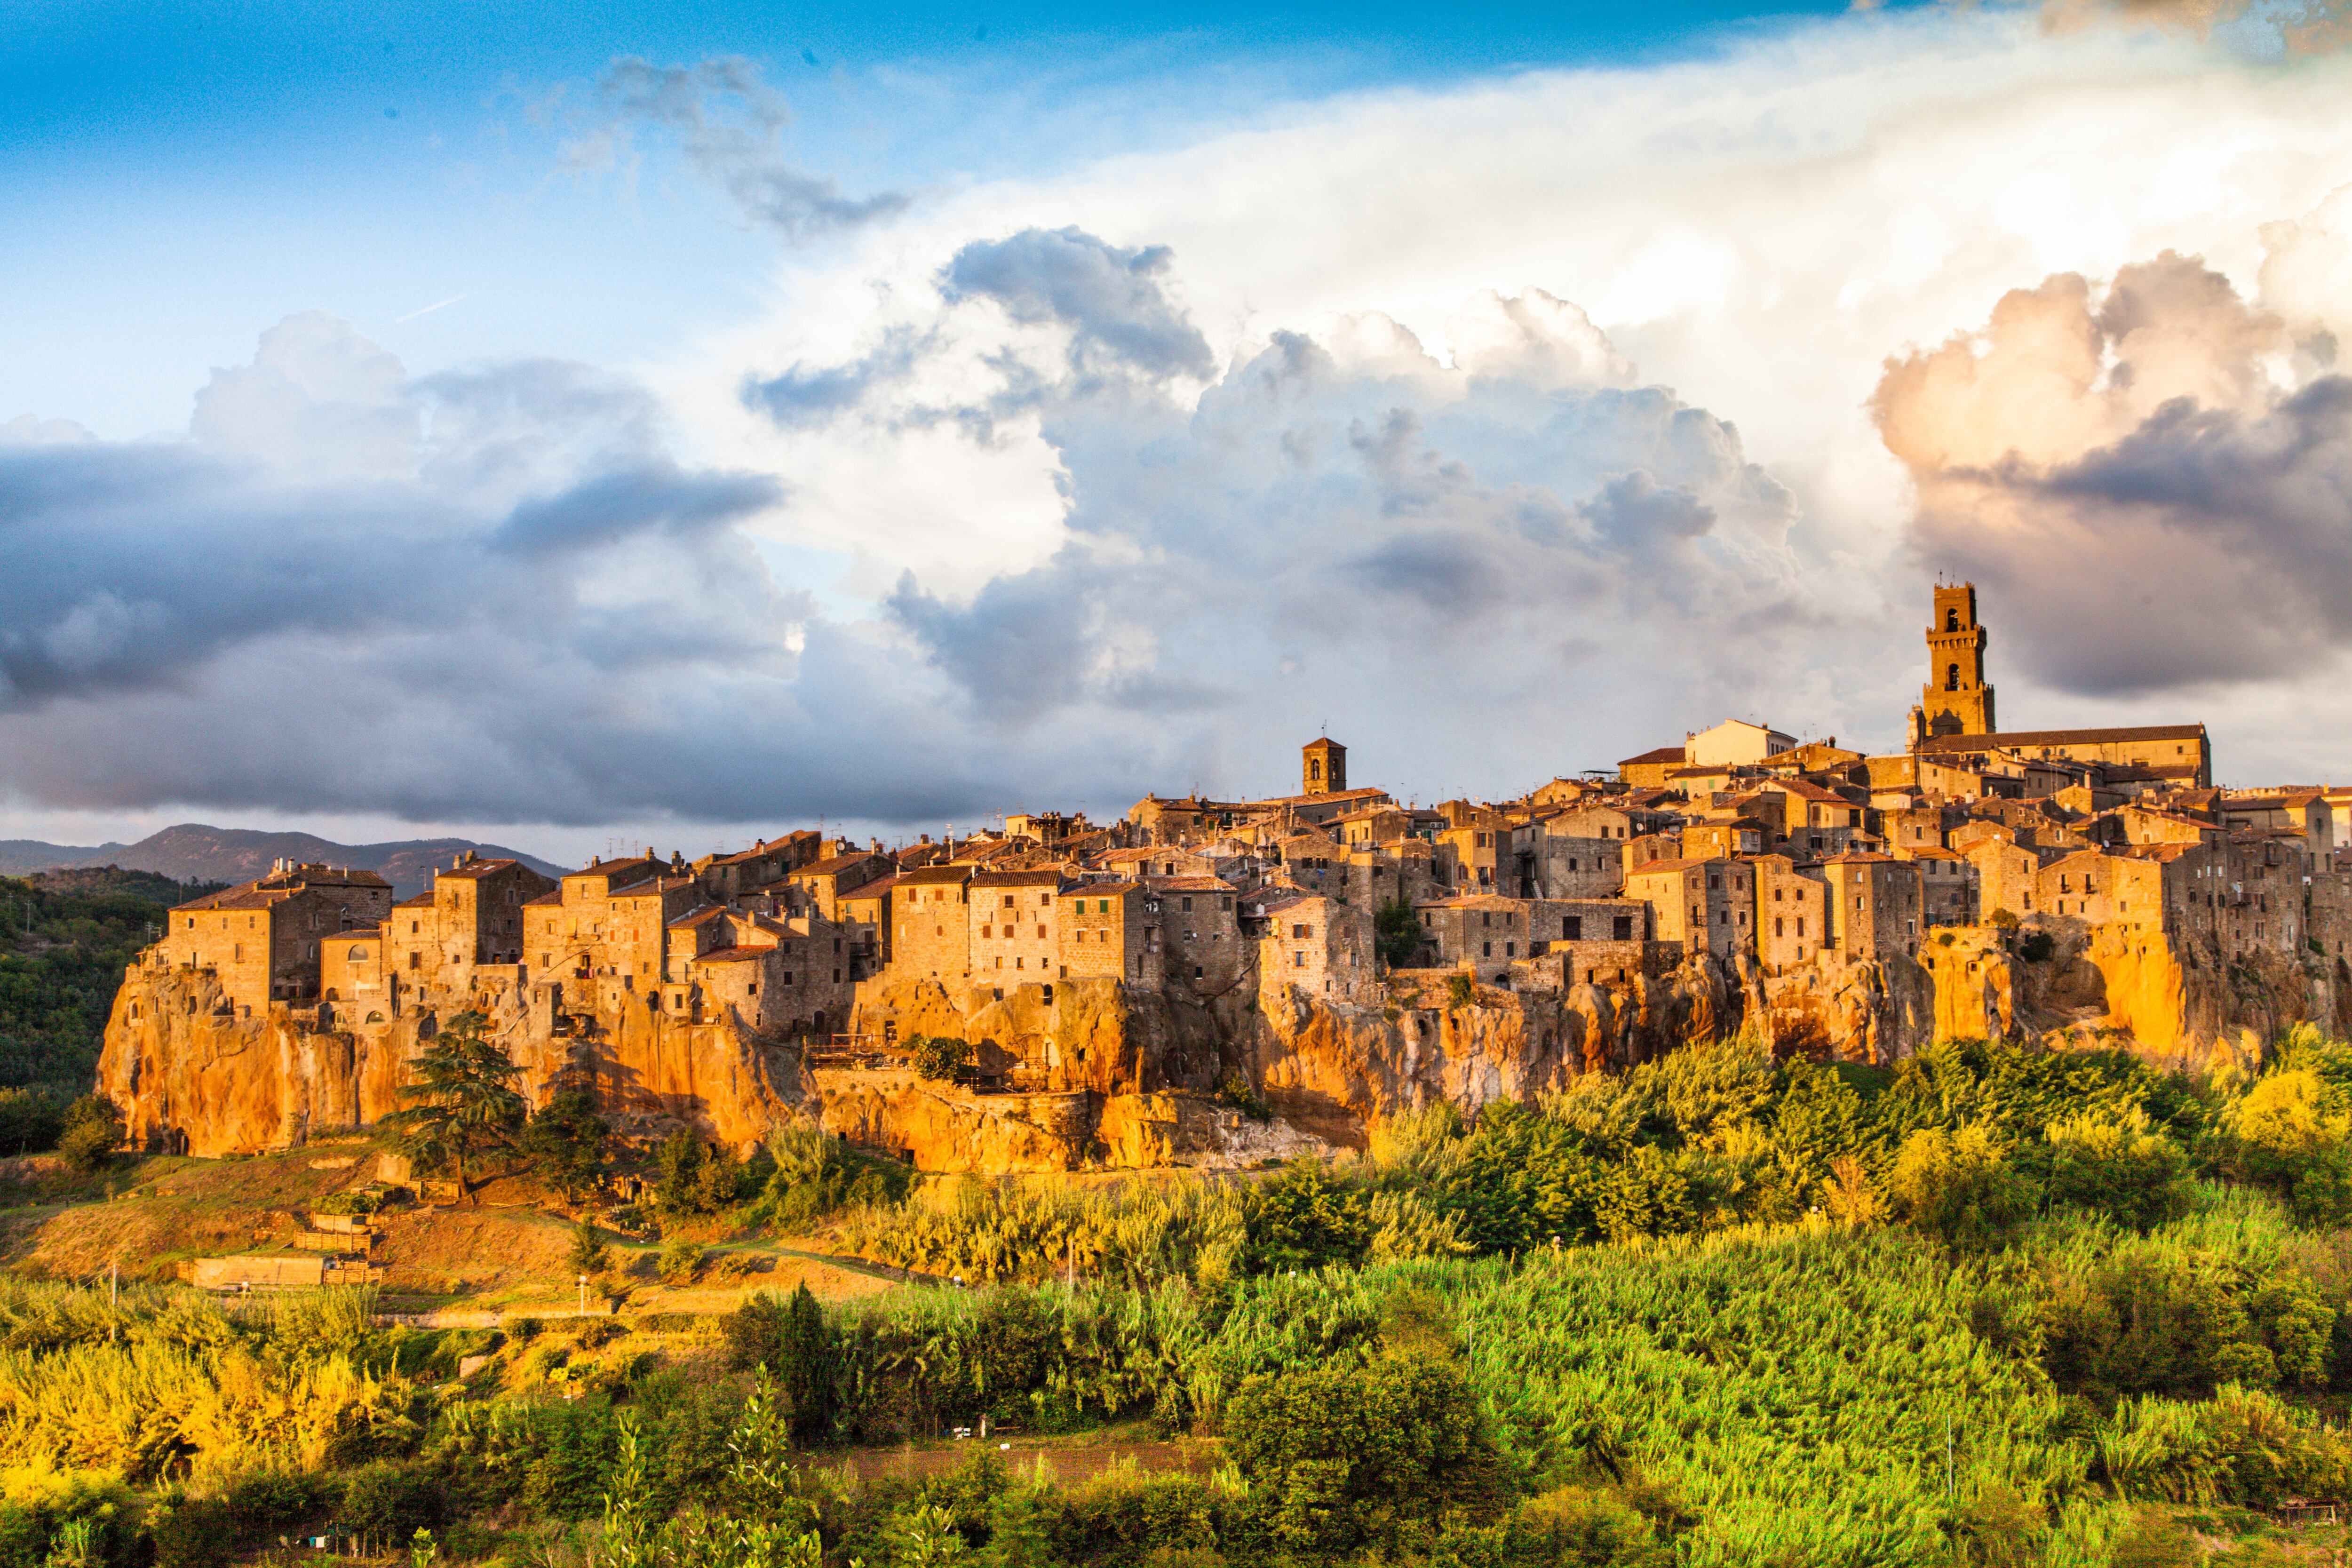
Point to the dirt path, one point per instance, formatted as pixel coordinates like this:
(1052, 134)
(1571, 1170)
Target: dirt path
(1068, 1461)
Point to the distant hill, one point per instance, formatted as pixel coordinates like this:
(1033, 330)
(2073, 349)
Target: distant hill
(193, 852)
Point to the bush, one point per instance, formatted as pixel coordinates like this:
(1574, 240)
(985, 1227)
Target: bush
(198, 1534)
(93, 1131)
(1956, 1188)
(2118, 1167)
(1304, 1220)
(1396, 932)
(681, 1261)
(938, 1057)
(389, 1502)
(264, 1506)
(2037, 947)
(588, 1255)
(30, 1118)
(1347, 1456)
(789, 1339)
(697, 1179)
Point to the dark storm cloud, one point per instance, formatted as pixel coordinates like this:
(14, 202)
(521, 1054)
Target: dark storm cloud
(2146, 503)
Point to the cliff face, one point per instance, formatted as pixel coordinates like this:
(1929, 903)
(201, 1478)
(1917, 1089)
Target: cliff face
(1092, 1073)
(190, 1077)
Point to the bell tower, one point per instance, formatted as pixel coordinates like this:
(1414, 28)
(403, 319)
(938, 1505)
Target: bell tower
(1323, 767)
(1956, 700)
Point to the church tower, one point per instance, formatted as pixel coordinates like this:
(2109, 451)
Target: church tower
(1323, 767)
(1956, 700)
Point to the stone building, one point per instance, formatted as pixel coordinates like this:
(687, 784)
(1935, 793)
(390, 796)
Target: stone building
(1323, 767)
(1957, 700)
(1649, 770)
(930, 929)
(817, 887)
(1315, 945)
(1201, 927)
(262, 939)
(1792, 912)
(1013, 919)
(1735, 743)
(1112, 930)
(1875, 906)
(1708, 906)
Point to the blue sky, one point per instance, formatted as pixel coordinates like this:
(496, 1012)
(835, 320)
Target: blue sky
(424, 419)
(180, 174)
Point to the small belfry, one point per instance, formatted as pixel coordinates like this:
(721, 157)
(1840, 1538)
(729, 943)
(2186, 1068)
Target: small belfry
(1957, 700)
(1323, 767)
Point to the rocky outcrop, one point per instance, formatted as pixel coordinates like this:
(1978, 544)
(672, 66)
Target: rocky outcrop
(195, 1079)
(1100, 1073)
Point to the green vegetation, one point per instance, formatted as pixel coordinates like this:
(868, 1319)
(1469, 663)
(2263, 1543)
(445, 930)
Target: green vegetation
(1396, 932)
(1991, 1306)
(466, 1101)
(939, 1057)
(65, 939)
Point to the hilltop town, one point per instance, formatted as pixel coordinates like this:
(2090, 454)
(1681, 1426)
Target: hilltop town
(1211, 981)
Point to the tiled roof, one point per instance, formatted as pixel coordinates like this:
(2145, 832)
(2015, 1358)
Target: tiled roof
(2062, 738)
(1662, 754)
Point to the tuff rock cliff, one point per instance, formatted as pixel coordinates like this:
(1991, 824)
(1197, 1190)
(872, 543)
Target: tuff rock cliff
(1099, 1073)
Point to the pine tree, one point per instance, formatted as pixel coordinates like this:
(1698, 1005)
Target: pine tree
(466, 1099)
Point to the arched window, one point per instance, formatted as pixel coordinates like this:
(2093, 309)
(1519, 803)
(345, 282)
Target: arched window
(1951, 620)
(359, 955)
(1952, 678)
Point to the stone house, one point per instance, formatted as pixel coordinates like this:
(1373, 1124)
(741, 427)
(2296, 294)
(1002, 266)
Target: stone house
(1735, 743)
(262, 939)
(1649, 770)
(1792, 912)
(863, 913)
(1316, 945)
(1014, 924)
(1875, 906)
(1480, 932)
(1201, 928)
(2299, 811)
(1948, 886)
(930, 925)
(1111, 931)
(817, 887)
(1707, 905)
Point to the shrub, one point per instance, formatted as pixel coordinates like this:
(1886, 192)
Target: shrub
(681, 1261)
(93, 1131)
(270, 1503)
(1956, 1188)
(198, 1534)
(697, 1179)
(565, 1142)
(1347, 1456)
(1396, 932)
(1304, 1220)
(2037, 947)
(2118, 1167)
(1460, 991)
(938, 1057)
(790, 1339)
(389, 1502)
(588, 1254)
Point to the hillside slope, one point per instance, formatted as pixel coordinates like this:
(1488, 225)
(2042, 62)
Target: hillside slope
(193, 851)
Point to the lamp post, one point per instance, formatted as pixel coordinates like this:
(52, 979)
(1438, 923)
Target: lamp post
(583, 1295)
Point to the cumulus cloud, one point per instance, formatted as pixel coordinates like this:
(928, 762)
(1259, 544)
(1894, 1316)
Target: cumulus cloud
(496, 595)
(730, 124)
(1337, 517)
(2312, 26)
(2140, 476)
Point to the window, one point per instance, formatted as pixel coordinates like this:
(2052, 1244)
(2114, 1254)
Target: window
(1008, 900)
(1952, 678)
(1776, 925)
(1571, 928)
(1299, 961)
(1041, 934)
(1510, 950)
(1800, 934)
(1188, 905)
(359, 955)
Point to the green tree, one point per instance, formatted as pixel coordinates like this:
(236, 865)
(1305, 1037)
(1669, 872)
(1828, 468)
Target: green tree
(2119, 1167)
(1958, 1187)
(1348, 1457)
(941, 1056)
(1305, 1218)
(589, 1254)
(466, 1101)
(92, 1134)
(1396, 932)
(565, 1142)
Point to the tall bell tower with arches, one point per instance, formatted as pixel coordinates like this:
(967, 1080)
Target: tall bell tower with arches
(1957, 700)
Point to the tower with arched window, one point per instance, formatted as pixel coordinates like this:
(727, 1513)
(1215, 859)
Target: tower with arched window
(1956, 700)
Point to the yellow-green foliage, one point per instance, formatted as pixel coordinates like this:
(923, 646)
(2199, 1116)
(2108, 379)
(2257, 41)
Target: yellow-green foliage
(167, 1378)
